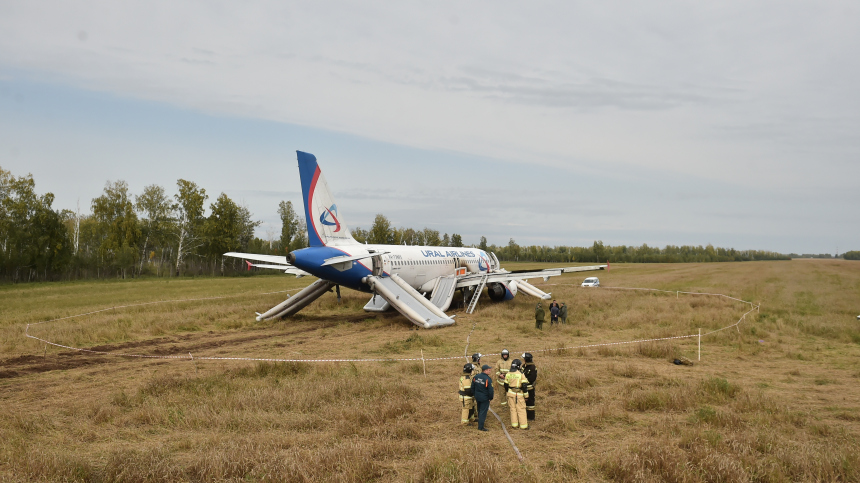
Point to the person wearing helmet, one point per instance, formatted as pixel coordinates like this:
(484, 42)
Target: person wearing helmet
(502, 368)
(476, 363)
(530, 372)
(539, 315)
(467, 402)
(517, 384)
(482, 391)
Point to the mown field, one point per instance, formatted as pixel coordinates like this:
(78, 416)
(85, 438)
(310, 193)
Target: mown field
(777, 399)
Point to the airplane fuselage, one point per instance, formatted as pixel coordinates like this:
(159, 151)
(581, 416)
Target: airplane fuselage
(419, 266)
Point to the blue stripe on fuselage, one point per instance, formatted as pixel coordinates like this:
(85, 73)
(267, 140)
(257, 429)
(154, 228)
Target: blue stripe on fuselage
(310, 259)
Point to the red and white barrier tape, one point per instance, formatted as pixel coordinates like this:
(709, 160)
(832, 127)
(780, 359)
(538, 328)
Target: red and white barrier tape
(268, 359)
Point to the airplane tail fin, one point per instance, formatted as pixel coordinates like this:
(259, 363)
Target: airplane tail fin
(326, 227)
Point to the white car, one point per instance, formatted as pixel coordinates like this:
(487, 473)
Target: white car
(591, 282)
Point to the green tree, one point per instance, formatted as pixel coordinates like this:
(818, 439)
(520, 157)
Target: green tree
(513, 251)
(156, 212)
(483, 244)
(456, 240)
(118, 226)
(381, 232)
(408, 236)
(852, 255)
(599, 251)
(431, 237)
(190, 221)
(289, 224)
(359, 234)
(33, 238)
(229, 227)
(300, 239)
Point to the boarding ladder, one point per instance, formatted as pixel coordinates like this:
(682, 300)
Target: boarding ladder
(474, 302)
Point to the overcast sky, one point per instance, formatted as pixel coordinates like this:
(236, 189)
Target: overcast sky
(733, 123)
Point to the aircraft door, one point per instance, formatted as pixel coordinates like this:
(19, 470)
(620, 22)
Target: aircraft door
(377, 265)
(458, 271)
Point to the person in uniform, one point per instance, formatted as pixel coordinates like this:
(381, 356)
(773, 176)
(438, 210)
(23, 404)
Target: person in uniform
(476, 363)
(502, 368)
(482, 391)
(517, 384)
(563, 313)
(539, 315)
(467, 402)
(553, 313)
(530, 371)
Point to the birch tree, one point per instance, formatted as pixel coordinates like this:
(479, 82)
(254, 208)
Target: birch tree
(118, 226)
(190, 221)
(289, 224)
(156, 212)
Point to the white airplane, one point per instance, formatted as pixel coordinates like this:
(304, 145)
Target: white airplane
(397, 276)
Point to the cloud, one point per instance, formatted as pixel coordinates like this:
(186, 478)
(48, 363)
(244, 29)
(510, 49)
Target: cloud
(756, 97)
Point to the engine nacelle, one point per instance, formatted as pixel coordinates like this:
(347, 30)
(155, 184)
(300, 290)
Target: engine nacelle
(500, 291)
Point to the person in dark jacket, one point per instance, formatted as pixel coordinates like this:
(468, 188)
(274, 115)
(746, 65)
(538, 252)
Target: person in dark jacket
(539, 315)
(553, 313)
(530, 371)
(482, 391)
(562, 313)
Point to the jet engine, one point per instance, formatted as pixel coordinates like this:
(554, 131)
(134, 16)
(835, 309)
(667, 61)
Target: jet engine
(500, 291)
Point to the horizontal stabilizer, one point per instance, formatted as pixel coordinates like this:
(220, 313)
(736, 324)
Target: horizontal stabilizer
(281, 260)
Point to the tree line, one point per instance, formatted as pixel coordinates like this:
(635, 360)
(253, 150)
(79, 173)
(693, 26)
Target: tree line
(154, 233)
(126, 235)
(382, 231)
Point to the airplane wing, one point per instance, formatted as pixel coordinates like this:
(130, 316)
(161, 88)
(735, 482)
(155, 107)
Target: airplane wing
(276, 262)
(584, 269)
(506, 276)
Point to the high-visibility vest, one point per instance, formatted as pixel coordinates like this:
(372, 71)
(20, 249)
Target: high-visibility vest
(515, 379)
(503, 366)
(465, 385)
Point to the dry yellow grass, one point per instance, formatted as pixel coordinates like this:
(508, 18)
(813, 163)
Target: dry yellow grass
(776, 400)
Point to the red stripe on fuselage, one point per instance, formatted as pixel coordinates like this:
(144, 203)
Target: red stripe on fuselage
(312, 217)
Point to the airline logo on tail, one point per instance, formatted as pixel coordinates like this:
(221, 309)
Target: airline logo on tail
(331, 211)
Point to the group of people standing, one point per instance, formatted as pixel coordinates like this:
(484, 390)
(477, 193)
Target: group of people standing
(515, 377)
(555, 313)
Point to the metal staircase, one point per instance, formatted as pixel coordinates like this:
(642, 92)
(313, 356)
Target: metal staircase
(474, 302)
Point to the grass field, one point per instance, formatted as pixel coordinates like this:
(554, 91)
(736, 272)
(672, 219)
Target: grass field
(777, 399)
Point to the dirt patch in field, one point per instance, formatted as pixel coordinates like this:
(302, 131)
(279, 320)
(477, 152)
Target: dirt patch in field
(32, 364)
(163, 346)
(176, 345)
